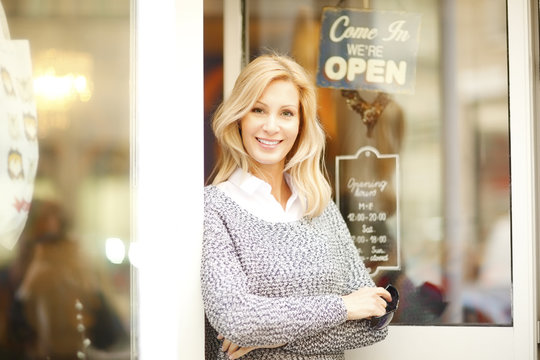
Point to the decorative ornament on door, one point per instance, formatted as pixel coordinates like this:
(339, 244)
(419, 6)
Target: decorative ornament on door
(369, 112)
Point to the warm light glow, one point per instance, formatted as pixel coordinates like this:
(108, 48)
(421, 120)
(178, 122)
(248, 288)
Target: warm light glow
(115, 250)
(80, 84)
(51, 87)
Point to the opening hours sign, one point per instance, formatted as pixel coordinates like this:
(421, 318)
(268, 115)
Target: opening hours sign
(367, 194)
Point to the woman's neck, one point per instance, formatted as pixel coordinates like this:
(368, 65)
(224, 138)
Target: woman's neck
(275, 178)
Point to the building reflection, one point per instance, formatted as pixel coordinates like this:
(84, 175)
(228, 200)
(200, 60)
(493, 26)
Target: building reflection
(56, 303)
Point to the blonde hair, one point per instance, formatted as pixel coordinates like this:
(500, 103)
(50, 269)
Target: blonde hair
(305, 160)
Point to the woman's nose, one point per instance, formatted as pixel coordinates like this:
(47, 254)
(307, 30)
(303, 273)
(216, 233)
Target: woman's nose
(271, 124)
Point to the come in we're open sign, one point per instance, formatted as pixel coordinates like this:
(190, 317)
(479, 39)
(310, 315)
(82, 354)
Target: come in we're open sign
(368, 50)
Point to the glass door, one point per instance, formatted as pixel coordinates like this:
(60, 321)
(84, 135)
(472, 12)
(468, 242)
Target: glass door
(65, 278)
(452, 227)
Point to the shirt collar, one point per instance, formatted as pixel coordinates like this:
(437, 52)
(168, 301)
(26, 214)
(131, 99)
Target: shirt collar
(294, 193)
(250, 184)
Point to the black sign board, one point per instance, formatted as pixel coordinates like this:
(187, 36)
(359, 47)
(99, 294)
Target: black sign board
(367, 194)
(368, 50)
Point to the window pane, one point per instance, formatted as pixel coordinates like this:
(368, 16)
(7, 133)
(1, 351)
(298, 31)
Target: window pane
(67, 279)
(448, 215)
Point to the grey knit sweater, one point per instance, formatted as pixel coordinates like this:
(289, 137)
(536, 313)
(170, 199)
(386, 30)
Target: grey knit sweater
(269, 283)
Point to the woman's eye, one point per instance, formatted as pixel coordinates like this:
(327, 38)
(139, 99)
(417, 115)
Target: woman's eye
(257, 110)
(287, 113)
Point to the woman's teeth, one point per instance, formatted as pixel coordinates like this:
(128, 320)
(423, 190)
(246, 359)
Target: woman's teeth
(268, 142)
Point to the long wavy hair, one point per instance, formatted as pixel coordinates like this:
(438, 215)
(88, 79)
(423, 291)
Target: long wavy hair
(305, 161)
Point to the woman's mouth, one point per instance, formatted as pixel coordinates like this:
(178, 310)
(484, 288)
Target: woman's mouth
(268, 142)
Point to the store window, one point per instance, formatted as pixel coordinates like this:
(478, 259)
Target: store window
(65, 282)
(439, 228)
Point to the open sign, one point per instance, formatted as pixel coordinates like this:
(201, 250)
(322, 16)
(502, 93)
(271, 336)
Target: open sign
(368, 50)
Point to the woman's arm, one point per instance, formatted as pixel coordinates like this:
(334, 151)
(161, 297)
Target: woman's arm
(236, 352)
(361, 298)
(247, 319)
(361, 304)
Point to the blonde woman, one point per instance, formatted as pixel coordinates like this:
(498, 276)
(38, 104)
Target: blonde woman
(281, 278)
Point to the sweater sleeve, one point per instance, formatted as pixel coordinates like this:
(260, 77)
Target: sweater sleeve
(248, 319)
(350, 334)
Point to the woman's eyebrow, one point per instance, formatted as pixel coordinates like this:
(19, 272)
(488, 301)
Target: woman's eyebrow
(258, 102)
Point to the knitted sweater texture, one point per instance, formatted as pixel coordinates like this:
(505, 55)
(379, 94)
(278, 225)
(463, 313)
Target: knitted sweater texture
(267, 283)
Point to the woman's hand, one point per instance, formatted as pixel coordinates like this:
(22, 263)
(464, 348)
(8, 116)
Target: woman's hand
(366, 302)
(235, 352)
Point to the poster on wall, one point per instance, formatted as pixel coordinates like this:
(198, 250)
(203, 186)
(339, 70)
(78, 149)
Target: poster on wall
(18, 139)
(368, 50)
(367, 194)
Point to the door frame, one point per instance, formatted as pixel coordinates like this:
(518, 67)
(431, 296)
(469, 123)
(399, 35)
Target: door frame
(167, 178)
(521, 78)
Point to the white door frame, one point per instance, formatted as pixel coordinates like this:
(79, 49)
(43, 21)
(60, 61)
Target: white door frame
(523, 176)
(168, 177)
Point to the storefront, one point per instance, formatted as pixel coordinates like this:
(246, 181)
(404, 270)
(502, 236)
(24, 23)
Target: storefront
(430, 111)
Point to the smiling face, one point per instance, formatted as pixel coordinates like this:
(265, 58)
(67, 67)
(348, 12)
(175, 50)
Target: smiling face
(270, 128)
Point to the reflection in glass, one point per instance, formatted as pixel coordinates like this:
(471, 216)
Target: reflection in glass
(65, 287)
(451, 136)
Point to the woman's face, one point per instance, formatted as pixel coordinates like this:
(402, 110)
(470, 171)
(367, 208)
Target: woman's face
(270, 128)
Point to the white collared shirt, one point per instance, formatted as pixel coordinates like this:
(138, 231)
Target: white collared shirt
(254, 195)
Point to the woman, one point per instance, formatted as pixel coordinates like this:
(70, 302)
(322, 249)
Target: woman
(281, 278)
